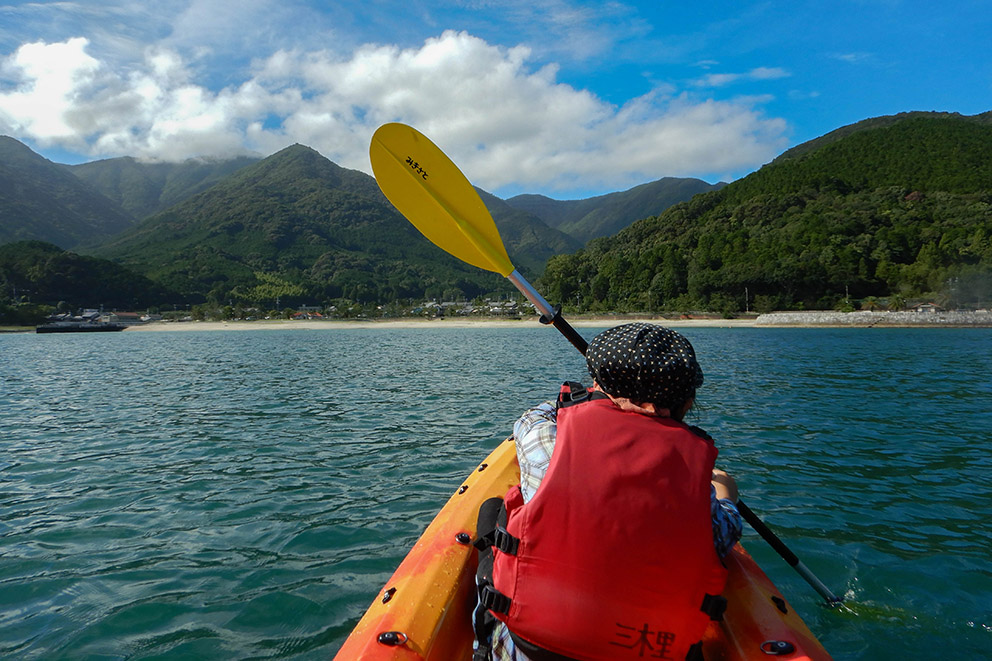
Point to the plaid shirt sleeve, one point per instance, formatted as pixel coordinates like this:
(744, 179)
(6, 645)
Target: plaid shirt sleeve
(535, 436)
(726, 523)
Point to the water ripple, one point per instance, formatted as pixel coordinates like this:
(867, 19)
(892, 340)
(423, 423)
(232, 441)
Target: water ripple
(244, 495)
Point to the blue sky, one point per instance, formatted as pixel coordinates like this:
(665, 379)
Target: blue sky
(562, 97)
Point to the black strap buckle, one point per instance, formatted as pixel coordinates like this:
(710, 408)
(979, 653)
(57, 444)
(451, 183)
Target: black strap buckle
(573, 394)
(494, 600)
(485, 541)
(714, 606)
(504, 541)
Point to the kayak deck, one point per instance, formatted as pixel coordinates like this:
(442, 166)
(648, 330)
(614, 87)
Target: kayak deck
(424, 611)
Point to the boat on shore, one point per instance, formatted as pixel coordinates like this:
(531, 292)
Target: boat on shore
(424, 610)
(85, 323)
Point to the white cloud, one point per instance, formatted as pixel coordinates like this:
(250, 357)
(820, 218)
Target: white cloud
(767, 73)
(504, 122)
(50, 76)
(852, 58)
(723, 79)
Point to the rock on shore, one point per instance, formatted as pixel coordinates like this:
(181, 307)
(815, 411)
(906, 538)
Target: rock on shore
(869, 319)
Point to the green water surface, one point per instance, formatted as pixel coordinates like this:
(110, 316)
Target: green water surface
(236, 495)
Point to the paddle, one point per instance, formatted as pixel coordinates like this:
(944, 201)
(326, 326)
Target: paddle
(433, 194)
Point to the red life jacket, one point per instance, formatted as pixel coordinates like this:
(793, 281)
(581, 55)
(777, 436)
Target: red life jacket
(614, 553)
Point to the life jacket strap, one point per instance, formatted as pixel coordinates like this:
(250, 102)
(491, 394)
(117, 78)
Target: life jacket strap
(494, 600)
(714, 606)
(504, 541)
(573, 392)
(485, 541)
(492, 513)
(535, 652)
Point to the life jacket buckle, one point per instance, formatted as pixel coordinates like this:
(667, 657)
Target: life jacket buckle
(504, 541)
(494, 600)
(484, 541)
(572, 392)
(714, 606)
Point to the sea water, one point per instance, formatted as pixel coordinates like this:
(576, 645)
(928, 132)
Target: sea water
(245, 494)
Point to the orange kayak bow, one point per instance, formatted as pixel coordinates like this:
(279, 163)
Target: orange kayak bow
(424, 612)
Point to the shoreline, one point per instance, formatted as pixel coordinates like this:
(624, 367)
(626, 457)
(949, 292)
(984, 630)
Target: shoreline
(341, 324)
(812, 319)
(809, 319)
(877, 319)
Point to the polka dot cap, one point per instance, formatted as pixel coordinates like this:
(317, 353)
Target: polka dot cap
(645, 363)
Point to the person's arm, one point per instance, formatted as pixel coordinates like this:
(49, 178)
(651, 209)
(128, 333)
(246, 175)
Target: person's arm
(725, 485)
(535, 434)
(727, 524)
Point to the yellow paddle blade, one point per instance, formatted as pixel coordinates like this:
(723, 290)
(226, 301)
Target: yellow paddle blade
(434, 195)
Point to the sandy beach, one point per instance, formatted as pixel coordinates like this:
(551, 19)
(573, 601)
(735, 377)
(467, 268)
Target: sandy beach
(813, 319)
(283, 324)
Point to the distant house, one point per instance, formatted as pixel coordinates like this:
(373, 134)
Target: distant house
(932, 308)
(122, 317)
(459, 308)
(503, 308)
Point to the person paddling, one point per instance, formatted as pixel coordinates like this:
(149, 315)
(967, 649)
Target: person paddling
(611, 545)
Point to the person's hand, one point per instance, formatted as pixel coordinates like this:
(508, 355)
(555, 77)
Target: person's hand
(725, 485)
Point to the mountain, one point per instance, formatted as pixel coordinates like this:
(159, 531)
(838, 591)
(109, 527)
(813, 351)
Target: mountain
(41, 200)
(44, 273)
(144, 188)
(875, 123)
(919, 151)
(529, 241)
(608, 214)
(293, 227)
(900, 206)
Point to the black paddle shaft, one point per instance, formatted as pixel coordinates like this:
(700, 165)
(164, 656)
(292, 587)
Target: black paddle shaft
(787, 554)
(766, 534)
(566, 329)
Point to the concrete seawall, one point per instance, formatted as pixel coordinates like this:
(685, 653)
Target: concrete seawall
(869, 319)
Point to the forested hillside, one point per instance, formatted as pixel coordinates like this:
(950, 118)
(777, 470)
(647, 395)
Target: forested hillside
(901, 210)
(606, 215)
(530, 242)
(41, 200)
(885, 210)
(37, 274)
(874, 123)
(144, 189)
(295, 229)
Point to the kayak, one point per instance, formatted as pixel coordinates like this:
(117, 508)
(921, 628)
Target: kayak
(424, 610)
